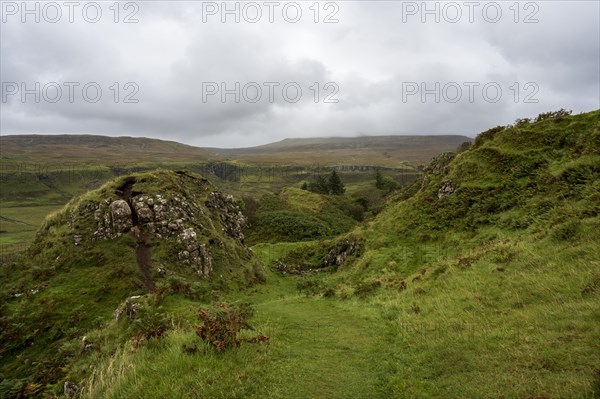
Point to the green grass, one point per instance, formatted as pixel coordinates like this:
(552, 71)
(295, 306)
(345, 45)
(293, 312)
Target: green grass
(268, 253)
(478, 333)
(18, 225)
(317, 348)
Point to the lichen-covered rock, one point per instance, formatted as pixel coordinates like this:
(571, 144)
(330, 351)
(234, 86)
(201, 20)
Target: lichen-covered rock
(446, 189)
(231, 217)
(195, 254)
(120, 213)
(113, 218)
(338, 254)
(440, 163)
(129, 308)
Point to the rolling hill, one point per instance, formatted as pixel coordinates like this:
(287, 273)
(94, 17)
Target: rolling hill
(366, 150)
(100, 150)
(104, 150)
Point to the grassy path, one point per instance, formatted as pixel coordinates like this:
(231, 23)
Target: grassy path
(321, 348)
(318, 348)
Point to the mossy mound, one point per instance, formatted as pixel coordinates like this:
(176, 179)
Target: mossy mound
(162, 231)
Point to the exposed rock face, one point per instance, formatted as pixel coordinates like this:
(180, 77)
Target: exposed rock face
(438, 166)
(194, 253)
(231, 216)
(120, 213)
(191, 216)
(440, 163)
(446, 189)
(164, 218)
(339, 253)
(113, 218)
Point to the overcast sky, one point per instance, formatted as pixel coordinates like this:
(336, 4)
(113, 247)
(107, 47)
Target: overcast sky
(373, 68)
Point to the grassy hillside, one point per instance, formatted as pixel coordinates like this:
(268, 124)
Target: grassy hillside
(298, 215)
(481, 280)
(488, 276)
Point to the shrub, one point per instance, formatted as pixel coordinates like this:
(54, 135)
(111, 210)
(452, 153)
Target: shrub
(191, 290)
(522, 121)
(221, 324)
(150, 322)
(463, 147)
(556, 115)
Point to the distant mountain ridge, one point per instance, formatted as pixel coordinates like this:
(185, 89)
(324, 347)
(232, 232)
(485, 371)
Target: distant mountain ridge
(364, 150)
(348, 142)
(96, 148)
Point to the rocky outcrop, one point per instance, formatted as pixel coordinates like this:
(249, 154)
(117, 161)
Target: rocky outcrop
(163, 218)
(440, 164)
(232, 218)
(113, 218)
(192, 218)
(338, 254)
(195, 254)
(446, 189)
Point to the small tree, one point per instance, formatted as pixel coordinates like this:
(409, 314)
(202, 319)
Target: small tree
(336, 187)
(379, 180)
(304, 186)
(319, 186)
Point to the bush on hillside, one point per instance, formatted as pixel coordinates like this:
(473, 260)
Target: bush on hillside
(222, 323)
(150, 323)
(556, 115)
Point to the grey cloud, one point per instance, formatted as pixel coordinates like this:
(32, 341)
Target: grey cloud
(370, 54)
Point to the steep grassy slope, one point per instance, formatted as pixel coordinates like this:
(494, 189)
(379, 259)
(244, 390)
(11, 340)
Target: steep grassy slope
(488, 276)
(161, 232)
